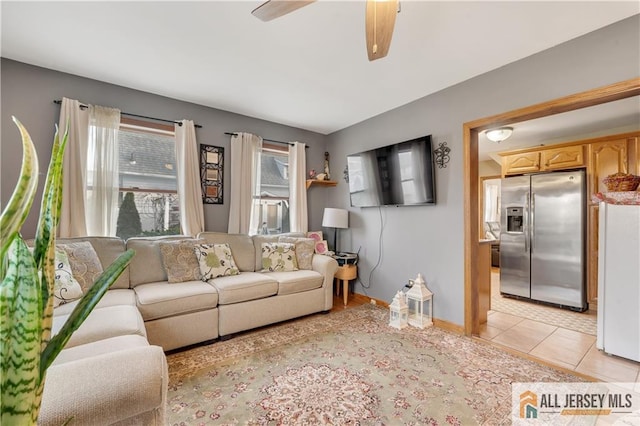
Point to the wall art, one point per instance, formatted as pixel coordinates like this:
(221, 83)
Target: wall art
(211, 171)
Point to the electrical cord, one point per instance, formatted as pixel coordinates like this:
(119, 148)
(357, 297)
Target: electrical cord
(368, 285)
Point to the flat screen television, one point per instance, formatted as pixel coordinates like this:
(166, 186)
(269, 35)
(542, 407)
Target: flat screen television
(401, 174)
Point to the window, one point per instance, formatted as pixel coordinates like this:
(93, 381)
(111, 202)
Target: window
(273, 202)
(148, 197)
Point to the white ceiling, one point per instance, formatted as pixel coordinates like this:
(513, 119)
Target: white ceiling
(308, 69)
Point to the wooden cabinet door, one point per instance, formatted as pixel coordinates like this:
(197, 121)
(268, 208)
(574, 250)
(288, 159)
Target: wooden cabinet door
(563, 158)
(592, 257)
(516, 164)
(607, 158)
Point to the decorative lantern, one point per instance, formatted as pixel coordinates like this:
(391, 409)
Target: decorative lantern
(398, 312)
(420, 304)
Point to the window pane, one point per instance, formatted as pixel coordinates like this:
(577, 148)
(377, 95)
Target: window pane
(147, 164)
(274, 179)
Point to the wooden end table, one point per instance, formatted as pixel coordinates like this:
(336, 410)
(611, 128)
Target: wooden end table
(345, 273)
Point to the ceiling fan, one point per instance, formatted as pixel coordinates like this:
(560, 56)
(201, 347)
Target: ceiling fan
(380, 19)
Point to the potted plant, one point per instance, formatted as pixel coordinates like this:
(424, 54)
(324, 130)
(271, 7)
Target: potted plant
(26, 287)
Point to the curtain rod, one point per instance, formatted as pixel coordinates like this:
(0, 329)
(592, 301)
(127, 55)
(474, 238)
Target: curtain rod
(59, 102)
(265, 139)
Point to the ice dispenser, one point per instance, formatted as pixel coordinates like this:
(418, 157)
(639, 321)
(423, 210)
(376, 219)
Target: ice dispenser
(514, 219)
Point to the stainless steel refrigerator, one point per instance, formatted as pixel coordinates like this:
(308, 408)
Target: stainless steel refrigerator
(542, 238)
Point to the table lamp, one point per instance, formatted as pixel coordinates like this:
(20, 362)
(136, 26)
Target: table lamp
(335, 218)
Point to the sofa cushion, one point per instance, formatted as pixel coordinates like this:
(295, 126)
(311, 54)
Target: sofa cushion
(258, 240)
(103, 323)
(146, 266)
(216, 260)
(243, 287)
(108, 249)
(84, 261)
(160, 300)
(119, 296)
(65, 288)
(241, 247)
(180, 261)
(305, 248)
(297, 281)
(103, 346)
(279, 257)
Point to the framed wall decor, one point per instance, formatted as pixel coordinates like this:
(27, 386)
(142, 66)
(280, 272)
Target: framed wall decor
(211, 168)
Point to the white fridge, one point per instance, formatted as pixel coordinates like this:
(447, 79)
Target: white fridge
(619, 280)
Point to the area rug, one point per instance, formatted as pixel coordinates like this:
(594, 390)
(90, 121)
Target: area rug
(347, 368)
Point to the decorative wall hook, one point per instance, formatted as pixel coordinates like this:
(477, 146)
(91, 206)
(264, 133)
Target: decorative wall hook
(442, 155)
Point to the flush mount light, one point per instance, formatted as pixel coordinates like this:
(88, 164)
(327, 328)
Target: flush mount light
(499, 134)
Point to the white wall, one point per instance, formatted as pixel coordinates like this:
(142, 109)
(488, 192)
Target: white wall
(430, 239)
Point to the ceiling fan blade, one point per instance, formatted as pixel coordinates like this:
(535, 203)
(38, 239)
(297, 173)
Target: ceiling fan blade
(380, 20)
(273, 9)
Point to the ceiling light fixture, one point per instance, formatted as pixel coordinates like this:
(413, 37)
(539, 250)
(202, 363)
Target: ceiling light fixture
(500, 134)
(132, 159)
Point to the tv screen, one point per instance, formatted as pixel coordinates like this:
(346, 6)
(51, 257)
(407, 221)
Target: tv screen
(400, 174)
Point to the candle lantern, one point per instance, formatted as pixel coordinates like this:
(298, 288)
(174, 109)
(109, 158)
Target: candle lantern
(398, 312)
(420, 304)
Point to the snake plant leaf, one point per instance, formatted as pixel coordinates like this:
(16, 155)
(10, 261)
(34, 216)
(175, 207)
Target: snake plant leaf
(44, 247)
(17, 209)
(84, 307)
(19, 337)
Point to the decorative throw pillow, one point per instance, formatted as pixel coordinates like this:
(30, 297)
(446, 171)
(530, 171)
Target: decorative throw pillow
(304, 250)
(84, 261)
(215, 260)
(65, 288)
(279, 257)
(180, 261)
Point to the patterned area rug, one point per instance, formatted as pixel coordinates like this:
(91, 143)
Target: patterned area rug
(347, 368)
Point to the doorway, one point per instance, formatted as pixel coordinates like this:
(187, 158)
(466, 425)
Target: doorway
(471, 130)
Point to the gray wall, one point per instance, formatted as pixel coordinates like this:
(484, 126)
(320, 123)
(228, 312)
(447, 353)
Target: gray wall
(430, 239)
(28, 93)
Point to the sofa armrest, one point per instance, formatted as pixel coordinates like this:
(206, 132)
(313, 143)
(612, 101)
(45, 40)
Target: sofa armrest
(327, 266)
(107, 388)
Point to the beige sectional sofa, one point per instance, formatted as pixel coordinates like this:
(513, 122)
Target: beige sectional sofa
(113, 369)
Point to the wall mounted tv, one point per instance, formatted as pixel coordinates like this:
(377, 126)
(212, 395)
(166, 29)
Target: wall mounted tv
(400, 174)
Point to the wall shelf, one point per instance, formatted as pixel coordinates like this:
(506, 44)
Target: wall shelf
(321, 182)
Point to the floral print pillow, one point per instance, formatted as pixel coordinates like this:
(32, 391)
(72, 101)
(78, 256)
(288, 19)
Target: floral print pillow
(279, 257)
(215, 260)
(65, 288)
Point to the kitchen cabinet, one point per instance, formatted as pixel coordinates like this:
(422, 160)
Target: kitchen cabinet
(567, 157)
(562, 158)
(607, 158)
(516, 164)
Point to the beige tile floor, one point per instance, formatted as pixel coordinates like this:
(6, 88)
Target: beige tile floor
(566, 348)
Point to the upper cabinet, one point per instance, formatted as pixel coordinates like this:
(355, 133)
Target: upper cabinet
(607, 158)
(563, 158)
(540, 160)
(526, 162)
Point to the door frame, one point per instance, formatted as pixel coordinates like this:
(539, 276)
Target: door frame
(471, 129)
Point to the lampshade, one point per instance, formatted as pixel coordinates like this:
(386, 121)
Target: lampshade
(499, 134)
(335, 218)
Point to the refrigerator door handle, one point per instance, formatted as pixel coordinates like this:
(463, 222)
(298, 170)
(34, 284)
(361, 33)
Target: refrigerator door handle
(526, 222)
(532, 212)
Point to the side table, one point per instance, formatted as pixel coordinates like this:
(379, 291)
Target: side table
(345, 273)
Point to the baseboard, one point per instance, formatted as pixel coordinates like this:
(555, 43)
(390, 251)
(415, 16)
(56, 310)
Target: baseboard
(361, 298)
(449, 326)
(445, 325)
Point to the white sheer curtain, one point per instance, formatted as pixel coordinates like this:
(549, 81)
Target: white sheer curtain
(245, 188)
(188, 174)
(298, 220)
(74, 182)
(102, 171)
